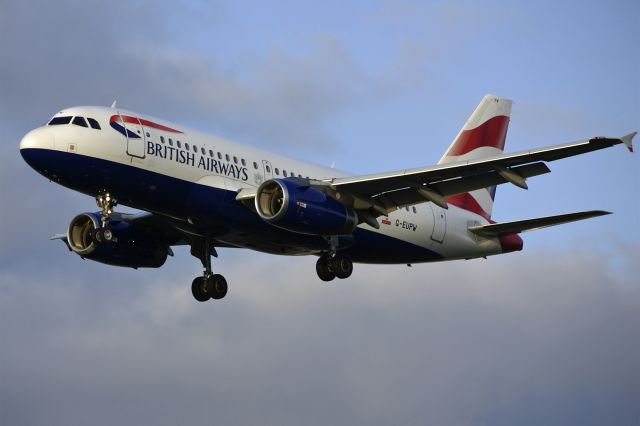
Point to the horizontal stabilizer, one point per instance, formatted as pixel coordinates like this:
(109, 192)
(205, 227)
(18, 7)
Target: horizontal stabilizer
(628, 140)
(497, 229)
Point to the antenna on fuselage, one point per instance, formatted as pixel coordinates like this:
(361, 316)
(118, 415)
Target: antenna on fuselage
(113, 105)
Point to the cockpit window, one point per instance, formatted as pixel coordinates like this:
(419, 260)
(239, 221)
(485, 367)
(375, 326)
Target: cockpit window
(79, 121)
(93, 123)
(60, 120)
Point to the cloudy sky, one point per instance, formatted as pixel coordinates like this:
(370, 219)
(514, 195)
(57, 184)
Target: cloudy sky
(550, 335)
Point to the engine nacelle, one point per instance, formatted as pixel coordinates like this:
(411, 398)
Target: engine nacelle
(295, 207)
(131, 246)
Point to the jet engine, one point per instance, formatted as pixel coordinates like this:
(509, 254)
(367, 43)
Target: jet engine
(300, 208)
(120, 244)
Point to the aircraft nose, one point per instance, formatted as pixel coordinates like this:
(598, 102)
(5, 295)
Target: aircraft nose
(34, 148)
(39, 139)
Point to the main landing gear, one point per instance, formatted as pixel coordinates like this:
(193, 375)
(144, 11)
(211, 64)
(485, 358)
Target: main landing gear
(209, 285)
(338, 266)
(107, 203)
(332, 264)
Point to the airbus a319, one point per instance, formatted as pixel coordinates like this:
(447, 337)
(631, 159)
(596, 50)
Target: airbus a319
(206, 192)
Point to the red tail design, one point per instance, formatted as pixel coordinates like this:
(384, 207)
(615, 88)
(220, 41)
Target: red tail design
(483, 135)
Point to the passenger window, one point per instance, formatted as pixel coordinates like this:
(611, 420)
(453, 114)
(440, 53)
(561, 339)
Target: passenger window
(227, 157)
(414, 209)
(219, 156)
(255, 165)
(284, 173)
(210, 153)
(235, 159)
(293, 174)
(178, 144)
(244, 163)
(277, 171)
(299, 175)
(162, 139)
(202, 150)
(268, 169)
(195, 149)
(60, 120)
(79, 121)
(94, 124)
(170, 142)
(186, 146)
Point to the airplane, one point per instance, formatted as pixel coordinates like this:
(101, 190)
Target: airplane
(207, 192)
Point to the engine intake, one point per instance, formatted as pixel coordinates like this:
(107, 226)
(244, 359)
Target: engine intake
(299, 208)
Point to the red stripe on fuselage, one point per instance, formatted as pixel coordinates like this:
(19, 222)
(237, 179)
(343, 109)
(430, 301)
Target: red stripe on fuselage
(467, 202)
(492, 132)
(143, 122)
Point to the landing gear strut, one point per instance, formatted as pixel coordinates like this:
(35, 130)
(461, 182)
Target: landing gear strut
(209, 285)
(338, 266)
(334, 265)
(107, 203)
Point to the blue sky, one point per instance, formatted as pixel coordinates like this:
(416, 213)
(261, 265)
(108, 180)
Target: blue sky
(545, 336)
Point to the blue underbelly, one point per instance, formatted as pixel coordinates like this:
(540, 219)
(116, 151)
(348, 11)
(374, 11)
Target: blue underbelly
(211, 209)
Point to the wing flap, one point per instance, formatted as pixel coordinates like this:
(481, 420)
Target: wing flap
(490, 178)
(408, 196)
(516, 227)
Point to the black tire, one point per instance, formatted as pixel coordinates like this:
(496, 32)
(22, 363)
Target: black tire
(216, 286)
(324, 269)
(342, 266)
(198, 290)
(107, 235)
(97, 236)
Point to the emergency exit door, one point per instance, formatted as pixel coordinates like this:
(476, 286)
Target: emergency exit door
(439, 223)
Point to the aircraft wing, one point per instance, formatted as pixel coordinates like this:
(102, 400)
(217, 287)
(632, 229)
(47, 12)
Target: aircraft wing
(386, 192)
(516, 227)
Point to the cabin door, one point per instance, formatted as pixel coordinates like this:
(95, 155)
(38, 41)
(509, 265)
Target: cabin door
(136, 140)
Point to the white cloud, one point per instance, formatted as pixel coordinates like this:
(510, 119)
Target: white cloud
(455, 343)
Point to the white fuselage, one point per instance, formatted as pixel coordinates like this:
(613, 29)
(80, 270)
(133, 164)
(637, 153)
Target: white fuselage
(165, 159)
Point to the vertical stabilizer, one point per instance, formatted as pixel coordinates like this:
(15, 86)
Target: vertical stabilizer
(483, 135)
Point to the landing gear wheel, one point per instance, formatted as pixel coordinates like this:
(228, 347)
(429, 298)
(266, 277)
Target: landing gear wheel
(342, 266)
(102, 236)
(97, 236)
(324, 268)
(198, 290)
(216, 286)
(209, 285)
(107, 235)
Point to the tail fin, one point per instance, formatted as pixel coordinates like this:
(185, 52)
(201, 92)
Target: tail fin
(483, 135)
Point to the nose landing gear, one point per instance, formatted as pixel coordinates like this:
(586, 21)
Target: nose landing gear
(107, 203)
(103, 235)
